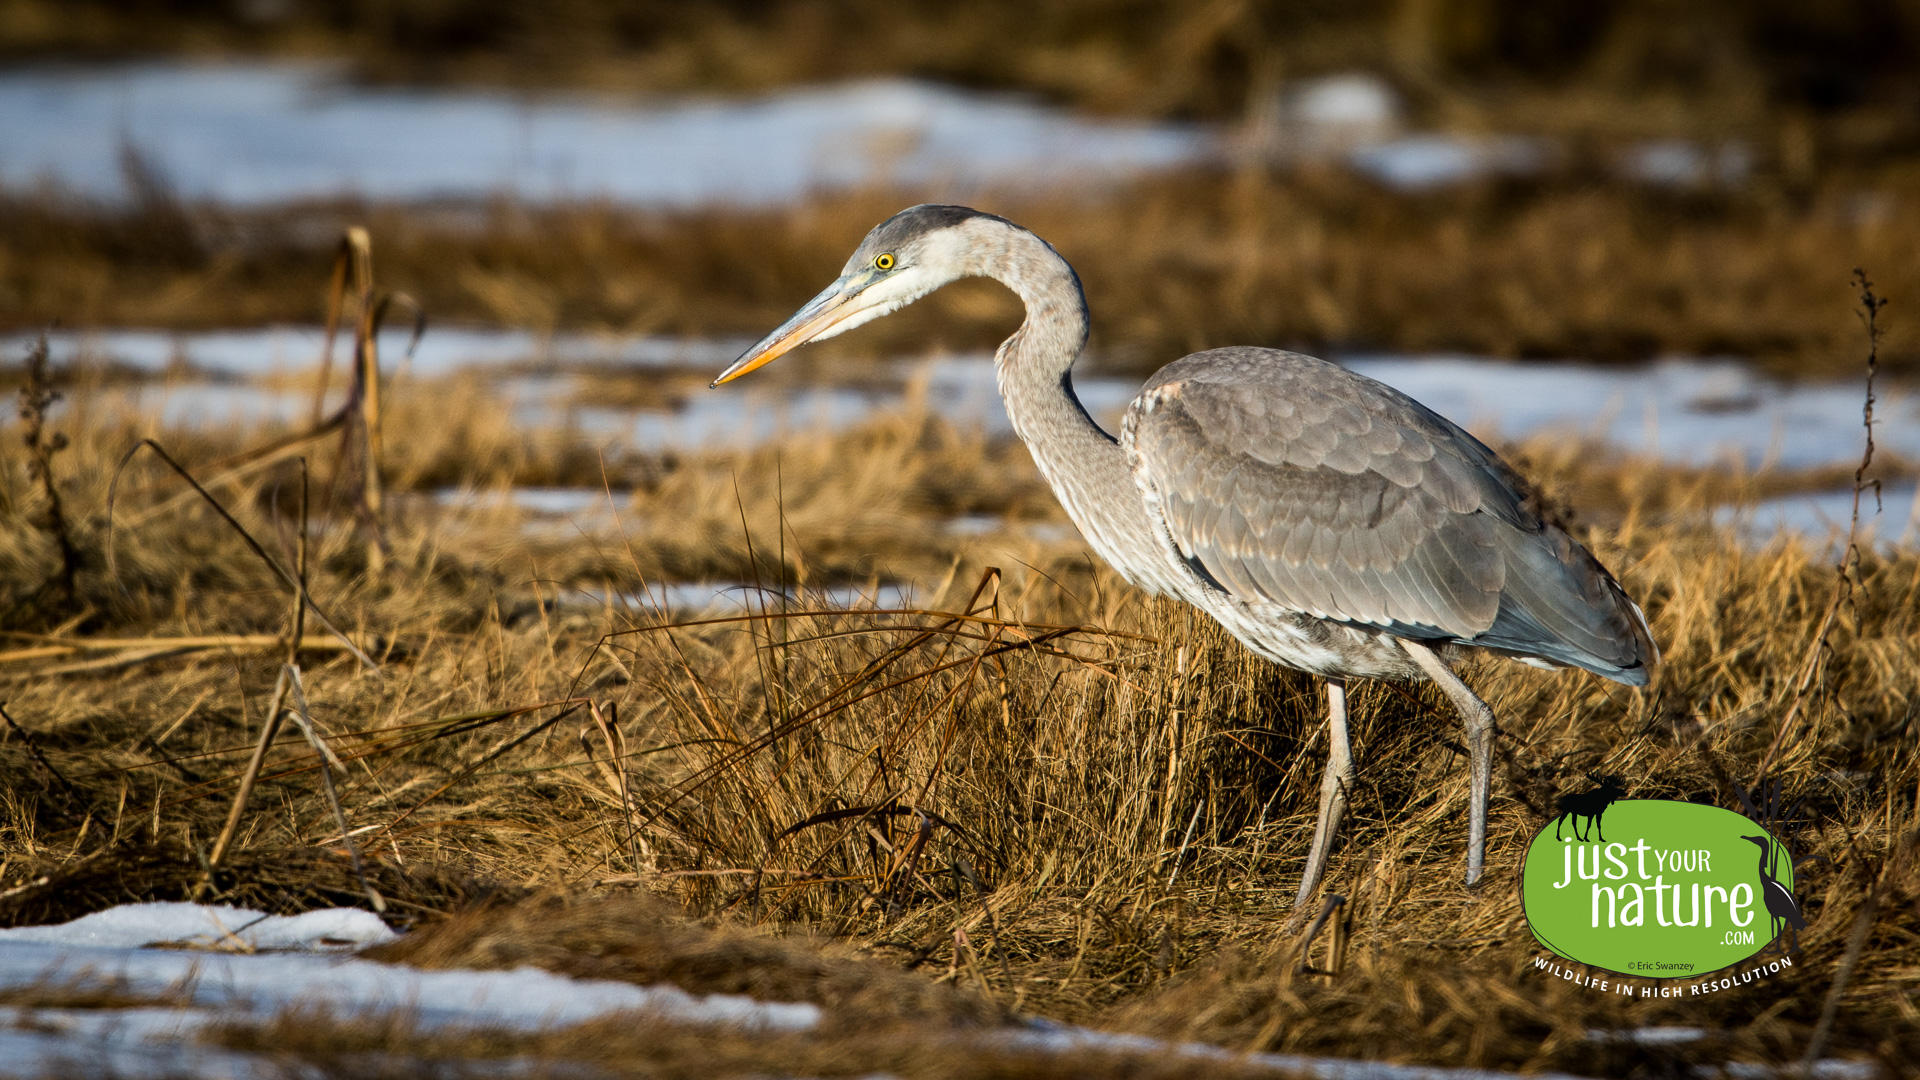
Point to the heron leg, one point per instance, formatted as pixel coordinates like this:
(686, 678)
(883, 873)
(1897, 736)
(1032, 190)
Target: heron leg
(1334, 785)
(1479, 721)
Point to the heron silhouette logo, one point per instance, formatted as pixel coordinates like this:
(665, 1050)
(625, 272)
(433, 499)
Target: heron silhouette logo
(1669, 891)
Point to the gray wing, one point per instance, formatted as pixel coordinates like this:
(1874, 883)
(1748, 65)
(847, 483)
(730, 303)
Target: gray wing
(1289, 480)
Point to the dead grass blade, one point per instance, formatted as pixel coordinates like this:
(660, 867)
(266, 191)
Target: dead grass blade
(293, 584)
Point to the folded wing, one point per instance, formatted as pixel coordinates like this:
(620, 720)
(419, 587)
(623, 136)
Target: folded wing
(1291, 481)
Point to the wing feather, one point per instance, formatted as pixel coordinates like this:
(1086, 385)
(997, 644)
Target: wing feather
(1296, 483)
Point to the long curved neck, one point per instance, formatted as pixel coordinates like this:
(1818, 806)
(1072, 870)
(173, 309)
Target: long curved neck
(1032, 367)
(1083, 464)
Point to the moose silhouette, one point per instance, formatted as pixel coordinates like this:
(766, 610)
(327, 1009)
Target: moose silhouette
(1589, 805)
(1781, 905)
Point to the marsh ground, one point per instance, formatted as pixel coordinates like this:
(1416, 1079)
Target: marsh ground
(1033, 792)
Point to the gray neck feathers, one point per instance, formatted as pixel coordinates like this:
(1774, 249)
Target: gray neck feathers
(1083, 464)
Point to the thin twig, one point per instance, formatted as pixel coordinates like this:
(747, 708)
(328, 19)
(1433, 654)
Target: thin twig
(1181, 855)
(64, 645)
(246, 537)
(305, 723)
(33, 750)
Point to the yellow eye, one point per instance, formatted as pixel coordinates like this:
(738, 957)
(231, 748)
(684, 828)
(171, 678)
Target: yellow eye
(884, 262)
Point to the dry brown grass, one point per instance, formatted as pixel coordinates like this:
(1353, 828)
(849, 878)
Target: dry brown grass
(1569, 266)
(640, 938)
(1040, 792)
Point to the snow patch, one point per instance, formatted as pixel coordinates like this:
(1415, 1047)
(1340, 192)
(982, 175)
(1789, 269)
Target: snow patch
(226, 980)
(132, 926)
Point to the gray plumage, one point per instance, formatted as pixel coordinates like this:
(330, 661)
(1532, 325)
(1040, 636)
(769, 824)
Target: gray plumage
(1330, 522)
(1294, 482)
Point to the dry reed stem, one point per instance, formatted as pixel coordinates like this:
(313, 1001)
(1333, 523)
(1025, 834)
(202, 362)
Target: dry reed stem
(269, 727)
(1845, 575)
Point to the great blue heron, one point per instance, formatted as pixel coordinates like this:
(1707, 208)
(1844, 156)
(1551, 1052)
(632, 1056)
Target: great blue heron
(1333, 524)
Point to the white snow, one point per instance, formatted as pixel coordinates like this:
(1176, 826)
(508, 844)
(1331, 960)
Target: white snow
(264, 132)
(742, 597)
(256, 133)
(1696, 411)
(1434, 159)
(119, 1043)
(1683, 410)
(445, 349)
(1349, 100)
(1829, 1069)
(1822, 517)
(265, 981)
(1063, 1039)
(217, 975)
(131, 926)
(1060, 1038)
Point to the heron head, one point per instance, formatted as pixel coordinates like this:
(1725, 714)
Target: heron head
(903, 259)
(1761, 840)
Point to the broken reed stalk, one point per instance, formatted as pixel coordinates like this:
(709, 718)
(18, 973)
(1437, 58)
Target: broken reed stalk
(336, 299)
(366, 342)
(617, 758)
(1847, 572)
(360, 414)
(353, 260)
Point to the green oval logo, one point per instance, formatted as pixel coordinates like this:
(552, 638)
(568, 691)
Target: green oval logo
(1657, 889)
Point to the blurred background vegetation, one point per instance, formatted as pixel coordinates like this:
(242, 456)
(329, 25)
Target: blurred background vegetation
(1812, 108)
(1838, 74)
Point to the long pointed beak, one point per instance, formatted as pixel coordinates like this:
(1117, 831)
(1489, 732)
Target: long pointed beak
(821, 314)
